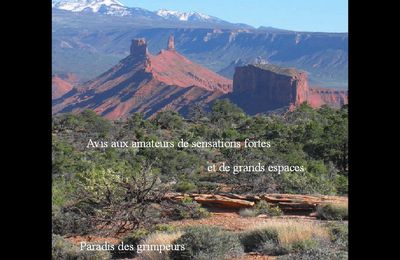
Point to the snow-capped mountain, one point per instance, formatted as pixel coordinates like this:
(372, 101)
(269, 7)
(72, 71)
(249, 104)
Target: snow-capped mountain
(185, 16)
(109, 7)
(116, 8)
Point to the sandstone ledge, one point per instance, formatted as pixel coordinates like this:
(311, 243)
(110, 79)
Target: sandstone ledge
(287, 202)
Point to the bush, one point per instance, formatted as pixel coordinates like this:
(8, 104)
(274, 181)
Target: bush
(64, 250)
(169, 120)
(331, 211)
(247, 212)
(342, 185)
(208, 187)
(66, 221)
(272, 248)
(262, 207)
(203, 242)
(164, 228)
(188, 209)
(303, 245)
(281, 237)
(133, 239)
(158, 239)
(259, 240)
(185, 186)
(275, 211)
(339, 233)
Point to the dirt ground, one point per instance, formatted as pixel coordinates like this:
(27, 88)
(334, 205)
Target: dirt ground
(226, 219)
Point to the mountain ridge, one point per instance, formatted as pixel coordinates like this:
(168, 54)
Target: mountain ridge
(116, 8)
(146, 83)
(323, 55)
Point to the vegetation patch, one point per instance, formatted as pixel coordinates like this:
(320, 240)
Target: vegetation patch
(261, 207)
(188, 208)
(133, 239)
(62, 249)
(204, 243)
(281, 237)
(163, 241)
(332, 211)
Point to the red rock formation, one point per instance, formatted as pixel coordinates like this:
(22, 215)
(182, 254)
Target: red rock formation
(145, 83)
(171, 43)
(62, 84)
(331, 97)
(263, 87)
(174, 69)
(289, 203)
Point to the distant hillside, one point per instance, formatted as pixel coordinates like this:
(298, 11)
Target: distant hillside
(87, 44)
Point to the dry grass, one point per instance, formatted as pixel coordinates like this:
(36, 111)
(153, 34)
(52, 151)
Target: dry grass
(292, 231)
(159, 239)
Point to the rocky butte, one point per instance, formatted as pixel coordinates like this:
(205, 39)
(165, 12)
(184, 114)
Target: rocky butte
(146, 83)
(259, 88)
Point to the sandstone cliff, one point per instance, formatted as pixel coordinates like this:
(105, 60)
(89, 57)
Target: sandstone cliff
(146, 83)
(259, 88)
(331, 97)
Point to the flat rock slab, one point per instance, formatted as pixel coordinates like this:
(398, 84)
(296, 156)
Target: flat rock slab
(287, 202)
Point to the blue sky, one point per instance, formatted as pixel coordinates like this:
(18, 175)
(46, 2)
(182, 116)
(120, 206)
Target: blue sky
(299, 15)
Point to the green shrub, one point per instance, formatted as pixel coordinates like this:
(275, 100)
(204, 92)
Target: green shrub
(342, 184)
(66, 221)
(64, 250)
(246, 212)
(188, 208)
(203, 242)
(261, 207)
(303, 245)
(187, 200)
(272, 248)
(164, 228)
(208, 187)
(185, 186)
(275, 211)
(133, 239)
(339, 233)
(259, 240)
(159, 239)
(330, 211)
(307, 183)
(169, 120)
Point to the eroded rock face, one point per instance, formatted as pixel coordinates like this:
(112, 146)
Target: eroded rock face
(62, 84)
(332, 97)
(259, 88)
(265, 87)
(146, 83)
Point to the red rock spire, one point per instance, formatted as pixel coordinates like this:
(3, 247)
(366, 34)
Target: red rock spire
(171, 43)
(139, 47)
